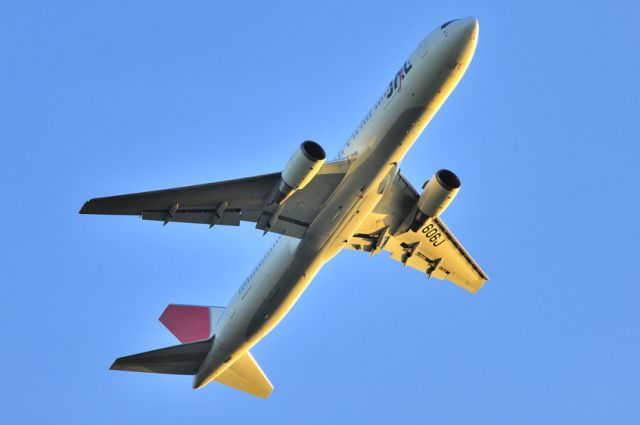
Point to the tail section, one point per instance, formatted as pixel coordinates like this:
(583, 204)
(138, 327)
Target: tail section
(191, 322)
(195, 327)
(184, 359)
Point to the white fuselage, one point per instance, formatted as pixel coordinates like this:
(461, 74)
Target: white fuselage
(375, 149)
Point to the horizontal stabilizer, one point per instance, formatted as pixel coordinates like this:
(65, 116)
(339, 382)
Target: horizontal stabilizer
(246, 375)
(191, 322)
(184, 359)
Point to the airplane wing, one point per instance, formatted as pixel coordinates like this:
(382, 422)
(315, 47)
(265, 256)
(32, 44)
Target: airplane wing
(432, 249)
(229, 202)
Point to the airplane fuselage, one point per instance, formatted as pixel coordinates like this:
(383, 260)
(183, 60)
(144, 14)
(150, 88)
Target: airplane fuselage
(375, 149)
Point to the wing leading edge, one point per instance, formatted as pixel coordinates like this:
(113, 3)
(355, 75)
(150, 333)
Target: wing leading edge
(228, 202)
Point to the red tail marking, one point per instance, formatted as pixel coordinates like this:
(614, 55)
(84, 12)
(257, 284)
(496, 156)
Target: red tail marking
(187, 322)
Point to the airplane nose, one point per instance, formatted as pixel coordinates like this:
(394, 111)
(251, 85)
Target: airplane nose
(470, 27)
(462, 30)
(462, 36)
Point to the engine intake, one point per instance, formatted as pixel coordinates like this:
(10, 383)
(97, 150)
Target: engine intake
(438, 193)
(300, 170)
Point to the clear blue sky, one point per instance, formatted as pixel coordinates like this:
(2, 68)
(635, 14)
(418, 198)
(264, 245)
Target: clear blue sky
(102, 98)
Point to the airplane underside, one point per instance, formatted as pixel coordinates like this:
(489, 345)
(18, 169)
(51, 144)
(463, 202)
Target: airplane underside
(360, 201)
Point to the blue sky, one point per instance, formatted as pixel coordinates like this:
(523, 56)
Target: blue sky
(102, 98)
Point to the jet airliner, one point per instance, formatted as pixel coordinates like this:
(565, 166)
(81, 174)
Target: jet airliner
(359, 201)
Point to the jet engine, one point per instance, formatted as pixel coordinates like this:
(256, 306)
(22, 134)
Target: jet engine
(300, 170)
(438, 193)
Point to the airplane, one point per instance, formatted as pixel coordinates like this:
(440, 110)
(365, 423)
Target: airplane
(359, 201)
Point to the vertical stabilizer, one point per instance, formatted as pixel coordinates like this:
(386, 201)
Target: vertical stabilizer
(191, 322)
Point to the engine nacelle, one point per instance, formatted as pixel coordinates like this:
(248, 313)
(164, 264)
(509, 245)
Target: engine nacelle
(300, 170)
(438, 193)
